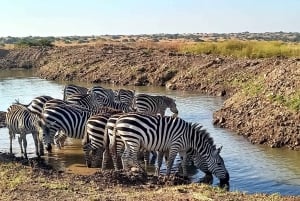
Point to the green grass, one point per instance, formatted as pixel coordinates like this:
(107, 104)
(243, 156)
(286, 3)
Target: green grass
(248, 49)
(290, 101)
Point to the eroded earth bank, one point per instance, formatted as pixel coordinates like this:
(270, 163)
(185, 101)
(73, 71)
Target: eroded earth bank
(262, 95)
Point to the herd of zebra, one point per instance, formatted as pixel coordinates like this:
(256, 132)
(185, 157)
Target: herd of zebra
(117, 126)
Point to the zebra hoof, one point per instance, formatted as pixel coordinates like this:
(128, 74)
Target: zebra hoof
(207, 179)
(89, 164)
(49, 148)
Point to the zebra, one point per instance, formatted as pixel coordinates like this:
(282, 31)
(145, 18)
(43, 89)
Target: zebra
(72, 89)
(116, 151)
(124, 96)
(71, 120)
(109, 150)
(154, 105)
(86, 101)
(106, 94)
(37, 104)
(20, 120)
(118, 105)
(165, 133)
(150, 104)
(94, 135)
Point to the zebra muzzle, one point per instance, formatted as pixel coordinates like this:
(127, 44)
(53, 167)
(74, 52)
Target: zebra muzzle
(49, 148)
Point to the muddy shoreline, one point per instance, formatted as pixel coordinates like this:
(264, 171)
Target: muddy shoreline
(254, 88)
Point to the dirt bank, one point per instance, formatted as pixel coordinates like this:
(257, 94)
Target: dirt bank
(262, 94)
(33, 179)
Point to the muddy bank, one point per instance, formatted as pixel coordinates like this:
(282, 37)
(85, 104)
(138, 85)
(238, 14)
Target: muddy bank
(263, 97)
(33, 179)
(24, 58)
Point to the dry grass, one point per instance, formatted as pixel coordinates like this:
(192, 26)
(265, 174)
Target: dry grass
(248, 49)
(20, 182)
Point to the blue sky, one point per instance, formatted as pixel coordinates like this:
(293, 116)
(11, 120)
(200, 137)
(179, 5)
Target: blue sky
(99, 17)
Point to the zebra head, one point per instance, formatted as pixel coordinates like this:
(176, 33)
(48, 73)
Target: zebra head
(217, 167)
(204, 145)
(45, 131)
(170, 102)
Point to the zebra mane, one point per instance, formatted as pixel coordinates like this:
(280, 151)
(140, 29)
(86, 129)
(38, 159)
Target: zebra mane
(100, 109)
(203, 132)
(17, 102)
(168, 100)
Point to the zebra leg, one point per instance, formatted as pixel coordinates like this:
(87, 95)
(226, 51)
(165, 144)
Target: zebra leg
(23, 137)
(105, 158)
(97, 157)
(125, 157)
(153, 157)
(160, 156)
(87, 150)
(183, 157)
(171, 158)
(40, 145)
(134, 152)
(207, 179)
(113, 152)
(20, 142)
(11, 136)
(36, 143)
(146, 159)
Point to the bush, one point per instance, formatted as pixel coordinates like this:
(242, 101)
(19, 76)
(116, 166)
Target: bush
(29, 42)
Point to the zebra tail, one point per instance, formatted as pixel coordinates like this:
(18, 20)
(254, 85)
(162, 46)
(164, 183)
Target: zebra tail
(85, 139)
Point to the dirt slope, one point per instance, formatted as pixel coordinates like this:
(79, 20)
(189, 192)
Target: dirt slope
(263, 95)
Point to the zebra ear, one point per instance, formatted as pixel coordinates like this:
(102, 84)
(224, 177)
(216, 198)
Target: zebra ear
(219, 149)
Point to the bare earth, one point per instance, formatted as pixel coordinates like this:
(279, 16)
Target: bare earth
(34, 180)
(253, 87)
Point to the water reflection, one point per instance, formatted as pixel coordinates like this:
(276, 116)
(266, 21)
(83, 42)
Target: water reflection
(252, 168)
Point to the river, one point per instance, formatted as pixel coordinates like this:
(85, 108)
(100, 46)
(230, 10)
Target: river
(252, 168)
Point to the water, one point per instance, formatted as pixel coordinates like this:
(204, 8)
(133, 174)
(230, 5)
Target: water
(252, 168)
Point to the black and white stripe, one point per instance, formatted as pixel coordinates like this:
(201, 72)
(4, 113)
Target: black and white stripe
(106, 94)
(158, 133)
(72, 89)
(20, 120)
(68, 119)
(154, 105)
(94, 136)
(124, 96)
(37, 104)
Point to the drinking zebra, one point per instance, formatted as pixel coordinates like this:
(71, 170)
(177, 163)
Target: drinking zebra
(154, 105)
(94, 136)
(113, 151)
(150, 104)
(70, 120)
(158, 133)
(20, 120)
(116, 151)
(72, 89)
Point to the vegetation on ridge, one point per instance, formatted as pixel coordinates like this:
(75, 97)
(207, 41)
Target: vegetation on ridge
(248, 49)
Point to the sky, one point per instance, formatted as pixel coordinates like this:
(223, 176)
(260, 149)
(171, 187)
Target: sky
(99, 17)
